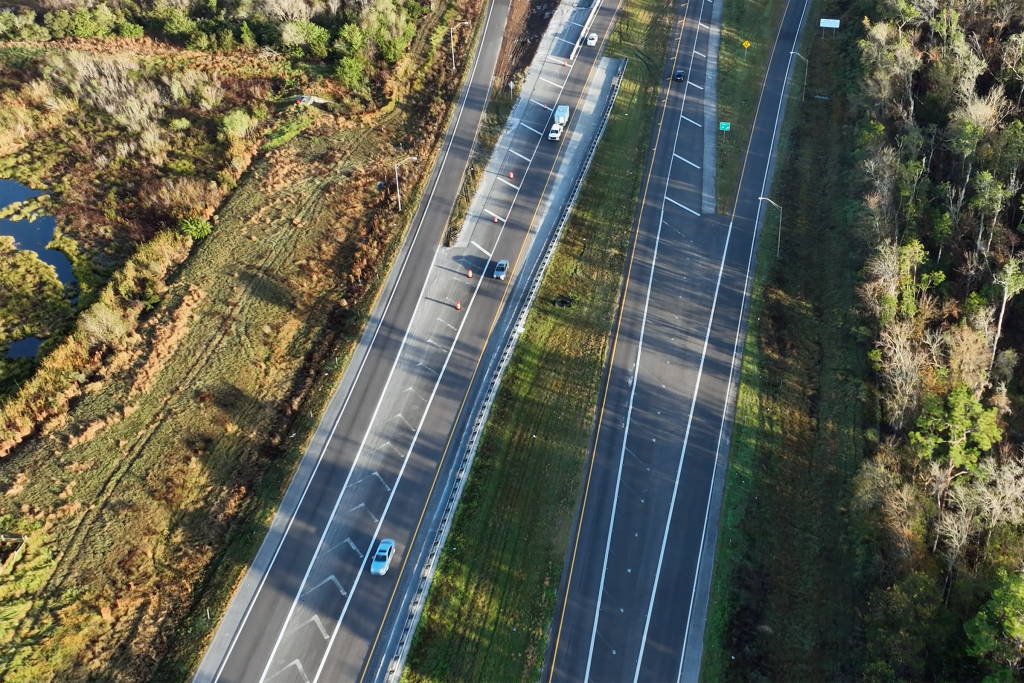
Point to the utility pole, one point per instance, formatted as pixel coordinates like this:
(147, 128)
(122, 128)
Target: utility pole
(778, 246)
(451, 39)
(397, 190)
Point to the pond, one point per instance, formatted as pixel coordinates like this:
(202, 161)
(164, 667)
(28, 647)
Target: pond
(32, 236)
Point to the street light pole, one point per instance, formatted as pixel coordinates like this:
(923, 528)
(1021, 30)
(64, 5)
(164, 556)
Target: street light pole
(807, 65)
(451, 39)
(778, 246)
(398, 190)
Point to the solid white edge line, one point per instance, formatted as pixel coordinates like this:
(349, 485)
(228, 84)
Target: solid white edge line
(736, 344)
(405, 462)
(359, 371)
(351, 593)
(636, 376)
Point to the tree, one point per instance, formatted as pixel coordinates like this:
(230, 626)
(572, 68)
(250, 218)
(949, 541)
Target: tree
(1011, 280)
(997, 631)
(989, 197)
(956, 429)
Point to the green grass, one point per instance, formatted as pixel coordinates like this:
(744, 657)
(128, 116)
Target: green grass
(740, 74)
(787, 586)
(494, 593)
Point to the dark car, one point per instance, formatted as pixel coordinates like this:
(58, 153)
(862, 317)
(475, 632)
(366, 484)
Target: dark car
(679, 75)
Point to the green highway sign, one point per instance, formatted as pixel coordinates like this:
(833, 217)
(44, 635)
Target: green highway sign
(724, 125)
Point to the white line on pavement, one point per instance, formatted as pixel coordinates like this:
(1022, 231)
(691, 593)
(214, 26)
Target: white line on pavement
(698, 87)
(491, 213)
(486, 253)
(355, 381)
(514, 187)
(691, 121)
(685, 160)
(681, 206)
(524, 158)
(700, 54)
(530, 128)
(539, 104)
(541, 78)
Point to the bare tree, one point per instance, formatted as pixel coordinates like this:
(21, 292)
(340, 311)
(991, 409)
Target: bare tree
(902, 362)
(1011, 280)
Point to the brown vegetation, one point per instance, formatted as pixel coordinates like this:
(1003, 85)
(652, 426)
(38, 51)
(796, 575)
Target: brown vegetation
(189, 391)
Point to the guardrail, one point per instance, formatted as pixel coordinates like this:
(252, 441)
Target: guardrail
(427, 575)
(585, 29)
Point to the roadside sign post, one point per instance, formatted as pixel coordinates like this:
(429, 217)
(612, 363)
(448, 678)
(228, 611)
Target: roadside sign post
(828, 23)
(746, 44)
(723, 126)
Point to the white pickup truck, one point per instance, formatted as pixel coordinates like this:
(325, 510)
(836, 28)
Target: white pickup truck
(561, 118)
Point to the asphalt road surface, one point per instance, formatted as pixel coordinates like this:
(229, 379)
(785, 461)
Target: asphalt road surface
(634, 600)
(308, 610)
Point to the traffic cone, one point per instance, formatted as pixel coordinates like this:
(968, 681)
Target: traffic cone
(470, 272)
(495, 219)
(458, 305)
(510, 176)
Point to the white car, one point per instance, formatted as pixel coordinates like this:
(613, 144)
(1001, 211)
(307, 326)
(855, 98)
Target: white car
(382, 558)
(501, 269)
(592, 40)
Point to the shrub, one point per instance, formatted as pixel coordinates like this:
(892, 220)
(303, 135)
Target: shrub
(248, 37)
(237, 123)
(351, 73)
(127, 29)
(305, 33)
(196, 228)
(179, 124)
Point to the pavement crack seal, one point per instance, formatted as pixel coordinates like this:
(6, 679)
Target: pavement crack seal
(397, 662)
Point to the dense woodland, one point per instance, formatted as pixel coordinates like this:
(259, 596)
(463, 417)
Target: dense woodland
(941, 502)
(362, 40)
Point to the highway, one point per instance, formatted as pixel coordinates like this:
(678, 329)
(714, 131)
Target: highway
(308, 610)
(634, 597)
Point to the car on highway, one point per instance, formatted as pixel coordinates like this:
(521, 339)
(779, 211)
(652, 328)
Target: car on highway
(592, 40)
(501, 269)
(679, 75)
(382, 558)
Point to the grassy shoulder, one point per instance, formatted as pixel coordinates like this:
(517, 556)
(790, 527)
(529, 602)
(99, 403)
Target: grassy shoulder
(495, 589)
(787, 589)
(740, 74)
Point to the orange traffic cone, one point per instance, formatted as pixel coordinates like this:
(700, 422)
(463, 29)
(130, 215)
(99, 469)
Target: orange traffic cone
(470, 272)
(458, 305)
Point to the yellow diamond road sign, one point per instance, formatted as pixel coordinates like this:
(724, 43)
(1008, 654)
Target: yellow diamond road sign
(746, 44)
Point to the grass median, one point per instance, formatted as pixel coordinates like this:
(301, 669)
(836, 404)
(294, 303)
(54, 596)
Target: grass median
(786, 591)
(494, 593)
(740, 73)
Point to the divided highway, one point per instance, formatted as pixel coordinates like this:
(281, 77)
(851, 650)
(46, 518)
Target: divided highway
(308, 610)
(634, 598)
